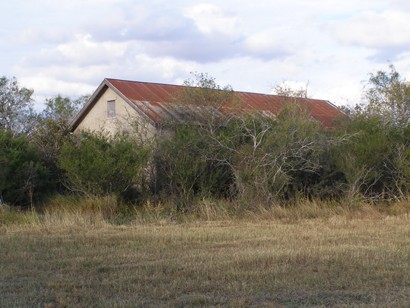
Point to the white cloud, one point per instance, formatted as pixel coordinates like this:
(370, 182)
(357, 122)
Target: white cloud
(140, 22)
(266, 45)
(69, 73)
(403, 65)
(70, 47)
(31, 36)
(375, 30)
(210, 19)
(84, 51)
(43, 84)
(166, 68)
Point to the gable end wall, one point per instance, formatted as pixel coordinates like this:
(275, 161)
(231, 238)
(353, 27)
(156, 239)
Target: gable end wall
(126, 117)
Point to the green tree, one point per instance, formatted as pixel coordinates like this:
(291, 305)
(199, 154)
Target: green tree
(203, 90)
(250, 155)
(53, 130)
(23, 177)
(188, 166)
(204, 102)
(16, 107)
(270, 157)
(375, 158)
(288, 91)
(63, 109)
(362, 157)
(388, 96)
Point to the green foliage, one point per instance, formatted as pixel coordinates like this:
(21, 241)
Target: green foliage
(388, 96)
(187, 166)
(23, 177)
(359, 157)
(252, 157)
(96, 164)
(209, 154)
(289, 91)
(49, 137)
(16, 110)
(53, 130)
(287, 158)
(204, 91)
(62, 109)
(271, 157)
(374, 159)
(202, 101)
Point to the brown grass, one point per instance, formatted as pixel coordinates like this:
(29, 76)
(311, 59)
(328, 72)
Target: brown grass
(342, 258)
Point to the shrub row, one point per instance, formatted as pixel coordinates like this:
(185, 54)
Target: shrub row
(252, 159)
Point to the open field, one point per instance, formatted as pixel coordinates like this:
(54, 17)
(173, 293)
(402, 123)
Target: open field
(334, 261)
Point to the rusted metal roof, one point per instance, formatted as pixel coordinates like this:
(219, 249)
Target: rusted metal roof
(157, 102)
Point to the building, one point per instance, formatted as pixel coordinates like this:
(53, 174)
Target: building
(117, 104)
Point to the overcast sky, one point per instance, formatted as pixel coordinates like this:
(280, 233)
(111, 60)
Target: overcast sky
(69, 47)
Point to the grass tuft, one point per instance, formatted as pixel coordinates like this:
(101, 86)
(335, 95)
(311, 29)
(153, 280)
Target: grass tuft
(15, 216)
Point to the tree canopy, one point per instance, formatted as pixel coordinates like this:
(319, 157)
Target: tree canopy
(16, 107)
(388, 96)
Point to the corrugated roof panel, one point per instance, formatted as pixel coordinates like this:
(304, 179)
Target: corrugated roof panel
(155, 100)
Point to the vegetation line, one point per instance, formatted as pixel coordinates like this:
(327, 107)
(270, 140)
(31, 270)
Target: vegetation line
(234, 160)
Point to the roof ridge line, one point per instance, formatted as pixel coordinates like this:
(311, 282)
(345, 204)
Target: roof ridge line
(235, 91)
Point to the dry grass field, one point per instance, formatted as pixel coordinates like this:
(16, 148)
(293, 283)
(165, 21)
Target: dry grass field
(337, 260)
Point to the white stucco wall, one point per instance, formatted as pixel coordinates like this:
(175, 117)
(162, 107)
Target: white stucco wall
(125, 117)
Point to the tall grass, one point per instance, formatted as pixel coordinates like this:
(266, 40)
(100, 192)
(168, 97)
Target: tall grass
(328, 261)
(210, 210)
(74, 210)
(13, 216)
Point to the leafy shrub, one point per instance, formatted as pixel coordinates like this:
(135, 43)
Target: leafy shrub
(273, 158)
(23, 177)
(375, 159)
(101, 165)
(251, 157)
(187, 166)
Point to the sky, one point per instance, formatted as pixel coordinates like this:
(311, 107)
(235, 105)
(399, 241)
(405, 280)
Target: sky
(69, 47)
